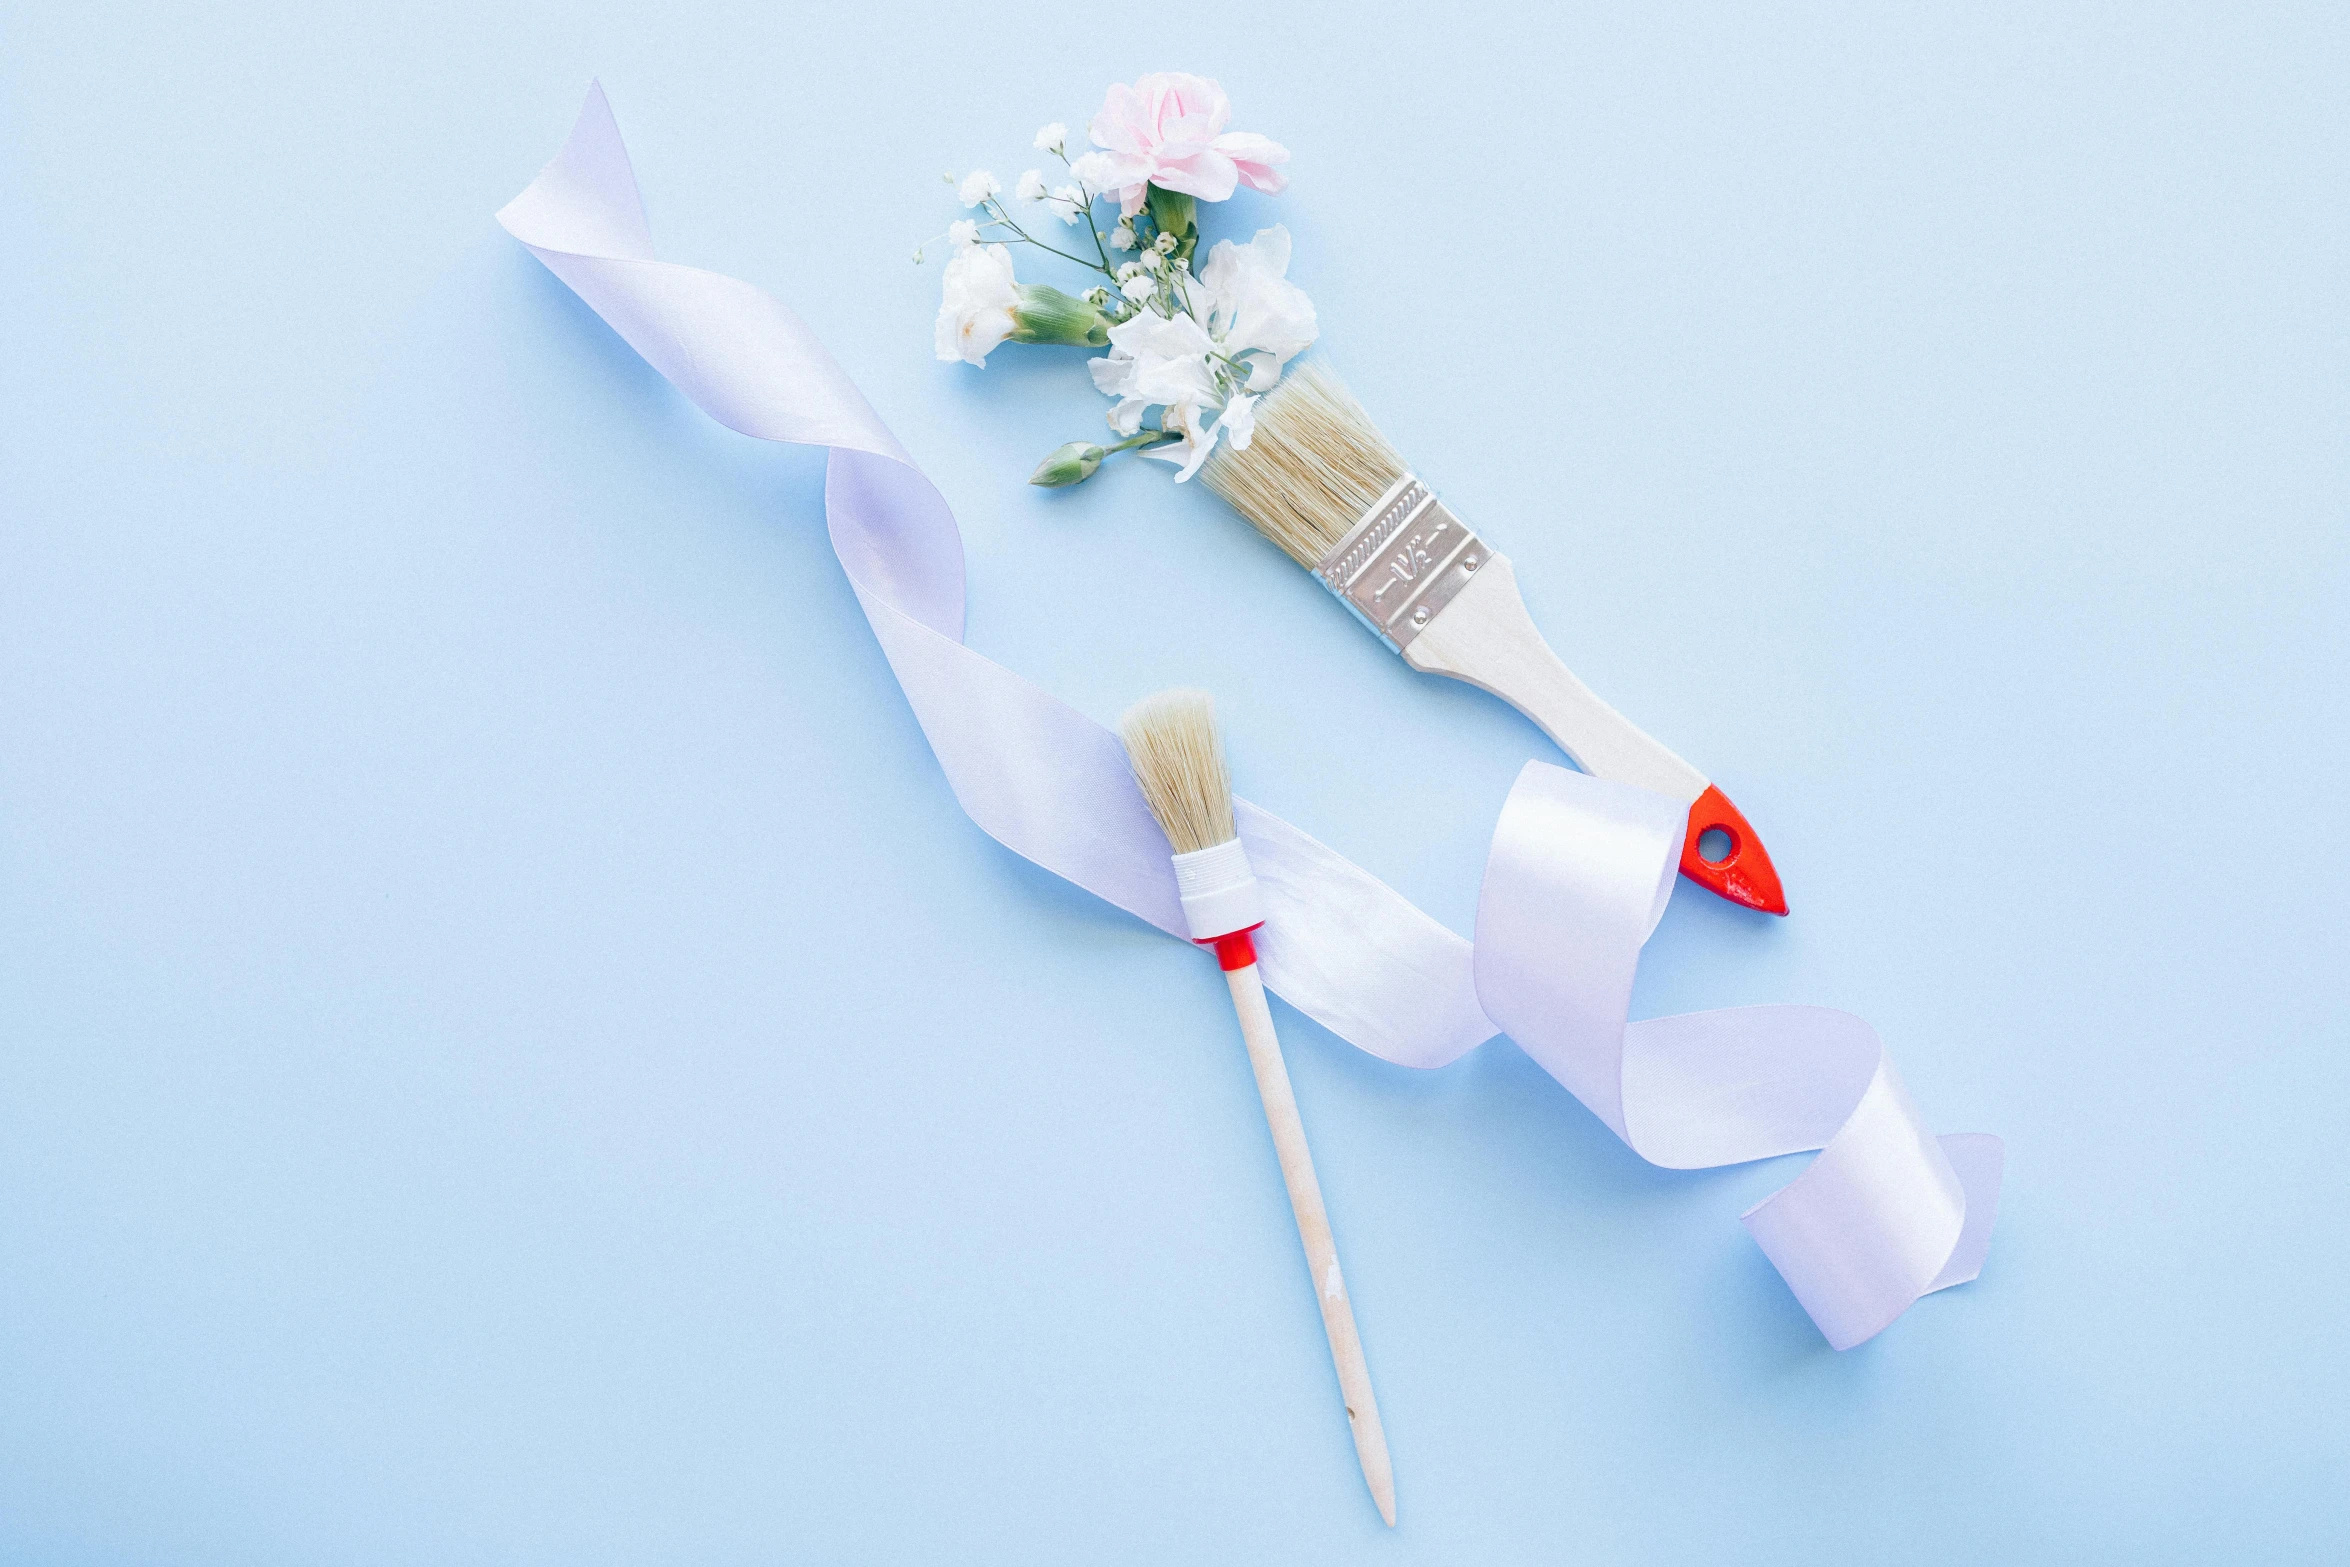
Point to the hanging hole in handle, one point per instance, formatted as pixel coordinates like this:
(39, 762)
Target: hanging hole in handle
(1716, 844)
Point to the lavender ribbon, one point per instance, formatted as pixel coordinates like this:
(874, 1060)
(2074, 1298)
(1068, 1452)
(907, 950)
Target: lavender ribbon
(1576, 879)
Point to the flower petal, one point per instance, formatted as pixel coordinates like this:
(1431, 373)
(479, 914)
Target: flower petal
(1206, 174)
(1258, 158)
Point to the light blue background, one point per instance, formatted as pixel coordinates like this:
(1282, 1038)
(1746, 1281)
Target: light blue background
(512, 1054)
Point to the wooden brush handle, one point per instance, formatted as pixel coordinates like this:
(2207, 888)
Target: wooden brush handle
(1313, 1228)
(1485, 637)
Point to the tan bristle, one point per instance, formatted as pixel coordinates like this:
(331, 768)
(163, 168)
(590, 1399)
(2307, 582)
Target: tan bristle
(1314, 466)
(1178, 758)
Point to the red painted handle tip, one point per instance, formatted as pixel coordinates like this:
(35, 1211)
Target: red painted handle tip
(1744, 874)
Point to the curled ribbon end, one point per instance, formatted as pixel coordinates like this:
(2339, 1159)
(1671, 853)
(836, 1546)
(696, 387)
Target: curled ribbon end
(1744, 873)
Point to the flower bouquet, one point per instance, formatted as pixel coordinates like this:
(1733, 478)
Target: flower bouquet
(1198, 343)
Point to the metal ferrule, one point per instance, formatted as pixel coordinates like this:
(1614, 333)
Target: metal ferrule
(1399, 566)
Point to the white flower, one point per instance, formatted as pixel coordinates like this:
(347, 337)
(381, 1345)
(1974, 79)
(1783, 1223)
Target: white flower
(1187, 454)
(975, 307)
(1139, 287)
(1164, 244)
(1163, 361)
(1154, 359)
(1239, 420)
(1189, 293)
(1072, 202)
(1237, 423)
(1254, 309)
(1052, 138)
(962, 233)
(1121, 238)
(977, 186)
(1031, 186)
(1096, 171)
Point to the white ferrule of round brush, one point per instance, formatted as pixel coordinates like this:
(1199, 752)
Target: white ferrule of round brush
(1178, 761)
(1222, 902)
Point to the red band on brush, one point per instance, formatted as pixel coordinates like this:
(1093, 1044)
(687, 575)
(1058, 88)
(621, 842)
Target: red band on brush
(1233, 951)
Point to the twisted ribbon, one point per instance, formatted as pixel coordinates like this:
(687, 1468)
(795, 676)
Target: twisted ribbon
(1576, 879)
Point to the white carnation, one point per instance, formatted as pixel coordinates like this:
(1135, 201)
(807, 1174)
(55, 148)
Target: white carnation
(975, 304)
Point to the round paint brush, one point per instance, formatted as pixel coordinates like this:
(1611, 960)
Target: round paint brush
(1178, 759)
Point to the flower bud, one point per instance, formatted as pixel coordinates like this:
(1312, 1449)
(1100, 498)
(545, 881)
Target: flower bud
(1043, 314)
(1070, 464)
(1174, 213)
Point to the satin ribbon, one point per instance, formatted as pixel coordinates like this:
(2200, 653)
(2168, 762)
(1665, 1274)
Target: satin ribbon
(1576, 879)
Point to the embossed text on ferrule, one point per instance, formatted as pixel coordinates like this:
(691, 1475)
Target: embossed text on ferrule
(1403, 563)
(1401, 569)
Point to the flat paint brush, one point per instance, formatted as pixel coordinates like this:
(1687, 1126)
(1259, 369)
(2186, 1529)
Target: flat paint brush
(1178, 759)
(1319, 480)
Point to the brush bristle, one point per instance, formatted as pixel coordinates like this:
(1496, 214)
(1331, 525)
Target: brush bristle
(1314, 466)
(1178, 759)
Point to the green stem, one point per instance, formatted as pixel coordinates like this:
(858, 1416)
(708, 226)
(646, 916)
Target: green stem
(1086, 217)
(996, 207)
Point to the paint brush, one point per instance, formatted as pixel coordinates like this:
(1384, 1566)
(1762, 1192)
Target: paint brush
(1178, 759)
(1320, 481)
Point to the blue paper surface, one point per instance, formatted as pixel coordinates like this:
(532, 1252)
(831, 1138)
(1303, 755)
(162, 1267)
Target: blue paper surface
(509, 1052)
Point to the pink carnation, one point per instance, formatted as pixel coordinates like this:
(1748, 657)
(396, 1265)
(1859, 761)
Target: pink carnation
(1168, 130)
